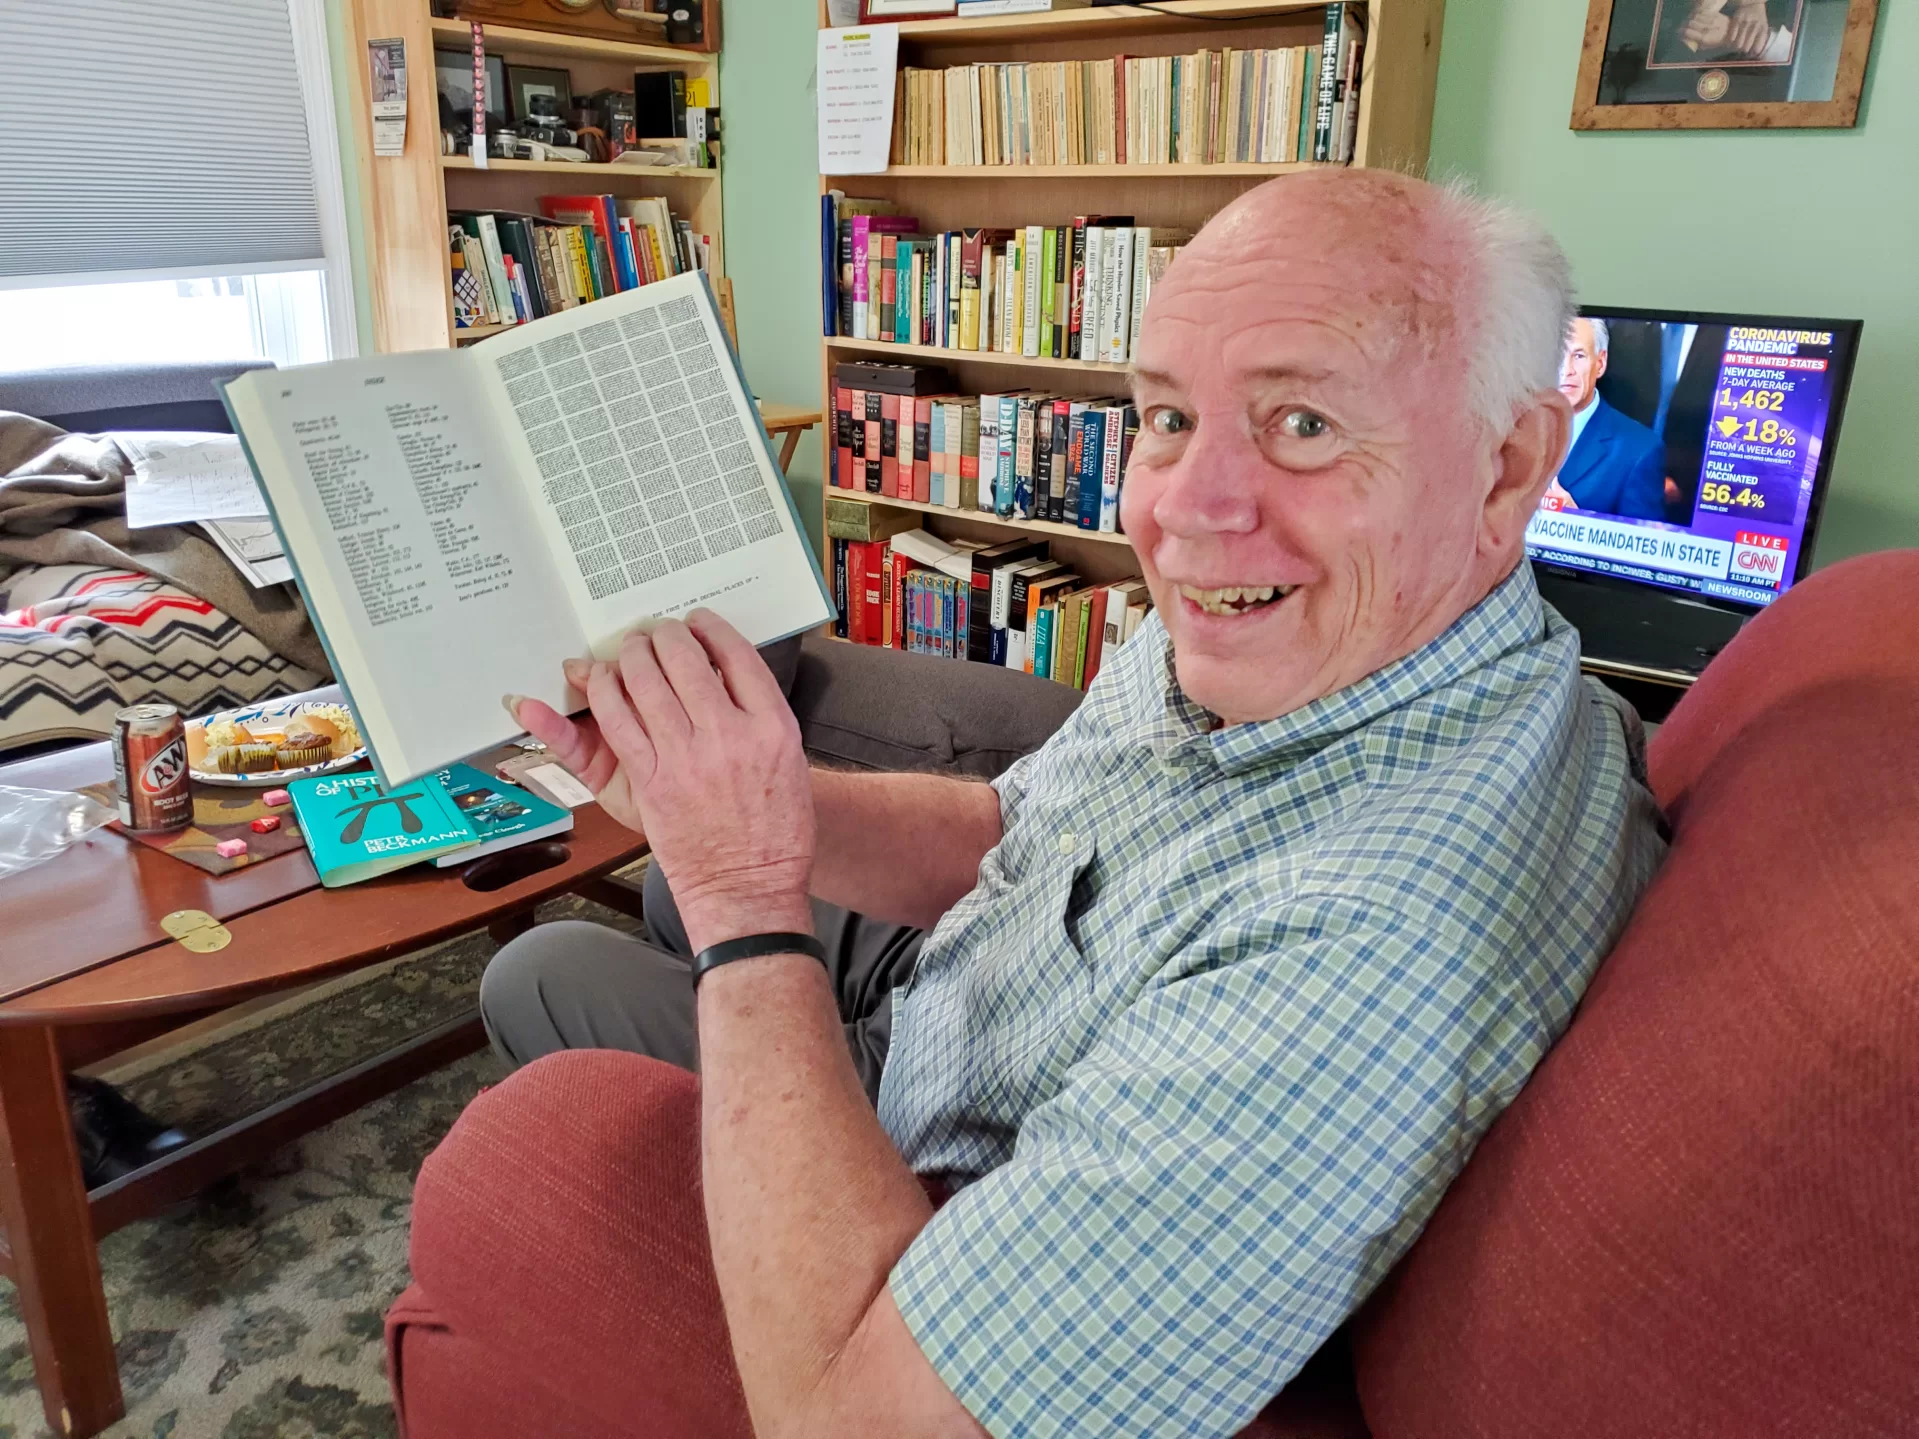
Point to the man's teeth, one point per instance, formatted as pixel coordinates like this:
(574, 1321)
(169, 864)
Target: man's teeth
(1235, 599)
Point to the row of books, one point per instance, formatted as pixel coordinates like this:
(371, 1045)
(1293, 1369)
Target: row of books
(1075, 291)
(1211, 107)
(1008, 604)
(1019, 454)
(511, 268)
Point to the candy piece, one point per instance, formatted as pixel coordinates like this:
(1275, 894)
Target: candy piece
(266, 824)
(276, 799)
(230, 848)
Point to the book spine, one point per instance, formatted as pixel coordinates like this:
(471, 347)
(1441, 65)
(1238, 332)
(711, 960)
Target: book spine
(988, 497)
(922, 479)
(1142, 250)
(1066, 642)
(1043, 642)
(1042, 459)
(1048, 294)
(1008, 438)
(890, 445)
(872, 567)
(896, 626)
(862, 232)
(842, 437)
(1076, 279)
(969, 459)
(1328, 83)
(1092, 327)
(854, 477)
(954, 452)
(1095, 635)
(856, 591)
(1111, 434)
(969, 300)
(875, 412)
(1075, 443)
(1091, 454)
(954, 285)
(1348, 136)
(1119, 317)
(1032, 258)
(843, 256)
(839, 588)
(889, 597)
(889, 284)
(1026, 441)
(1062, 300)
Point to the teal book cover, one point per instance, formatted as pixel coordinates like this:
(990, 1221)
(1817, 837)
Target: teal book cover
(355, 829)
(502, 815)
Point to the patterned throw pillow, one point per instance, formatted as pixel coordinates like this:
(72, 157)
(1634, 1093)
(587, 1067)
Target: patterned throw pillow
(78, 643)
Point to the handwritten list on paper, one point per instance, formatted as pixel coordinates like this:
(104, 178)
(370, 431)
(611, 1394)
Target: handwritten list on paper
(856, 70)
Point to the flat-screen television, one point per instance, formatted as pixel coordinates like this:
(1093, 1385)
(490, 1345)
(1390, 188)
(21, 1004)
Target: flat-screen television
(1702, 449)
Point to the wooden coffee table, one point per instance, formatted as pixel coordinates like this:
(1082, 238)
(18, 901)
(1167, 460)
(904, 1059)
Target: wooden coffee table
(86, 970)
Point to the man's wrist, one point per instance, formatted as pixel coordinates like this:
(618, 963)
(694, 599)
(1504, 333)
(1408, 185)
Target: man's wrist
(711, 922)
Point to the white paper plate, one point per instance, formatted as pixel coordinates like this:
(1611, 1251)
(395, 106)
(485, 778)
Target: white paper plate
(263, 718)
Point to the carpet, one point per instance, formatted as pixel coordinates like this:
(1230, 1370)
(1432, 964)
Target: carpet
(256, 1310)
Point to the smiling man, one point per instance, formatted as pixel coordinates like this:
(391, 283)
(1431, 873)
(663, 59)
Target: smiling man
(1217, 990)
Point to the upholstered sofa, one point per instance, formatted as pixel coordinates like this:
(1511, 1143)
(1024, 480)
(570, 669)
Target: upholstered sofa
(1701, 1218)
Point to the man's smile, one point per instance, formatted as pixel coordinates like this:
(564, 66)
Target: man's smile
(1234, 599)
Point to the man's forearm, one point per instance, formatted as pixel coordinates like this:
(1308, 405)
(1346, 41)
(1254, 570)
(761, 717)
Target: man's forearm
(900, 847)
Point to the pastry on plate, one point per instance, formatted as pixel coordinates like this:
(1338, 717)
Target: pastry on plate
(296, 751)
(242, 759)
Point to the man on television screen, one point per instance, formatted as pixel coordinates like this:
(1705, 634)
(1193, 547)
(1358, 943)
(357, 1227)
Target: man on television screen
(1616, 465)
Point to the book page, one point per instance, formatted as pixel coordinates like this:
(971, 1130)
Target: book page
(414, 548)
(657, 488)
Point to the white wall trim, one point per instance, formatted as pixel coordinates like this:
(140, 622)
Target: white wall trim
(311, 58)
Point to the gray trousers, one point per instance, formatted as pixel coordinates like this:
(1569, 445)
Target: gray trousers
(575, 985)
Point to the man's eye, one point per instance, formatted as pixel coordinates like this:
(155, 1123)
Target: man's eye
(1171, 422)
(1304, 425)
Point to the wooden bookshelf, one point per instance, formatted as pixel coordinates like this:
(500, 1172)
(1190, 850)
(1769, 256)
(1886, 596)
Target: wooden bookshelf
(407, 196)
(1400, 71)
(981, 517)
(594, 175)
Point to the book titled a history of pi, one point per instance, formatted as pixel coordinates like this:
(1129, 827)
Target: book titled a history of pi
(461, 521)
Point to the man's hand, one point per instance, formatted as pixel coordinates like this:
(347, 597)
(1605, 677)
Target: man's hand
(692, 743)
(1749, 30)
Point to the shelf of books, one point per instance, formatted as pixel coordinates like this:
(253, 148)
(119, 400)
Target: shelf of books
(978, 338)
(459, 250)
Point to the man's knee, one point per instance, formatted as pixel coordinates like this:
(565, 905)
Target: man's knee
(574, 985)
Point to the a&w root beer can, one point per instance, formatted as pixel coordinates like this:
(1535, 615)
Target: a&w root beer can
(150, 768)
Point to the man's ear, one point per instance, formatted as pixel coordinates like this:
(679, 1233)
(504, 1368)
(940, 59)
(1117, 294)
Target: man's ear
(1525, 463)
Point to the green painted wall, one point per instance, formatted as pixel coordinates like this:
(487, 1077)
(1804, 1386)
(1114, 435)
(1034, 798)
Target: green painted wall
(771, 201)
(1803, 222)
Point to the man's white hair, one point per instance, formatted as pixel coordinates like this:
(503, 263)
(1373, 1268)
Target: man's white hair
(1602, 334)
(1519, 307)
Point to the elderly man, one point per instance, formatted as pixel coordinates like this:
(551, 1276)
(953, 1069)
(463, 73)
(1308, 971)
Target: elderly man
(1223, 983)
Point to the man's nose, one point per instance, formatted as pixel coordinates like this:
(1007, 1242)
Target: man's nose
(1214, 487)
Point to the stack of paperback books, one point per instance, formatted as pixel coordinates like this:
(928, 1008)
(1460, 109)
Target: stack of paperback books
(510, 268)
(1007, 604)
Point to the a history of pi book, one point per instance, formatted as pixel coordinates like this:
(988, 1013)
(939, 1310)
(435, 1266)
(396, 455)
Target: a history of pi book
(461, 521)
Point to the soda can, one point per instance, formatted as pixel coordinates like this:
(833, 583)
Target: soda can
(150, 779)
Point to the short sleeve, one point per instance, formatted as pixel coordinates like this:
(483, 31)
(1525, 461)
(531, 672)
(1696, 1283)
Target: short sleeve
(1218, 1183)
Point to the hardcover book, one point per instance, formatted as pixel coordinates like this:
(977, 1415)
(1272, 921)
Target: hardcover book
(461, 521)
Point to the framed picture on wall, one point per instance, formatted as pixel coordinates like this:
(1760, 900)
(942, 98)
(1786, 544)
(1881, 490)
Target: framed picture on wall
(1723, 64)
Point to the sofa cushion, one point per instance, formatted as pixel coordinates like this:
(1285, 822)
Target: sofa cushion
(881, 709)
(1701, 1217)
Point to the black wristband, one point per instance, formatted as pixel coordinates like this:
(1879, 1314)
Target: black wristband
(752, 946)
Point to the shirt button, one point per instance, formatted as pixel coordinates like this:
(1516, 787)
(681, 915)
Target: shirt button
(1068, 842)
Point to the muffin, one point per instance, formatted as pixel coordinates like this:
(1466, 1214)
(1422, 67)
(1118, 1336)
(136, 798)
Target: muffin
(296, 751)
(243, 759)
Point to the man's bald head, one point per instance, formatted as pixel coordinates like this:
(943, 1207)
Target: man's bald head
(1347, 395)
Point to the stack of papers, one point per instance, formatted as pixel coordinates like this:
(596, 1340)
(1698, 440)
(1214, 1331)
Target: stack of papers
(204, 480)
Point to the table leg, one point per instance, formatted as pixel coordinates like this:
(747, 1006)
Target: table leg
(791, 444)
(56, 1266)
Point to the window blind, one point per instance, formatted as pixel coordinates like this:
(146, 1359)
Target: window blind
(151, 135)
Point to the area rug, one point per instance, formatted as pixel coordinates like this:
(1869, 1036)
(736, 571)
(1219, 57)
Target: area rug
(256, 1311)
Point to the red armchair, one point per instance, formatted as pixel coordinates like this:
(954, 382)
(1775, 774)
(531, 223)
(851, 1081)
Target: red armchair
(1701, 1218)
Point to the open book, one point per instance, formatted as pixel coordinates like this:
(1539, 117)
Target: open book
(460, 521)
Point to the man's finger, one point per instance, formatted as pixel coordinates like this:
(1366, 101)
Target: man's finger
(751, 683)
(576, 744)
(658, 707)
(619, 725)
(684, 662)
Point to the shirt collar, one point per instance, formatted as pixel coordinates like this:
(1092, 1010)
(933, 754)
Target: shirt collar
(1582, 418)
(1509, 618)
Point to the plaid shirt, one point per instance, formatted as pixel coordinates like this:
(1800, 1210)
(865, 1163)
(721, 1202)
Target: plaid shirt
(1230, 1007)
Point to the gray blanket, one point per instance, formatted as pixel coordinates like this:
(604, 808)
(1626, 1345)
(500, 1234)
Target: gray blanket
(63, 502)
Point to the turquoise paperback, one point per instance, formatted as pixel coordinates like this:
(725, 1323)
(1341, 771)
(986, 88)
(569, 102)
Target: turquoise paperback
(355, 829)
